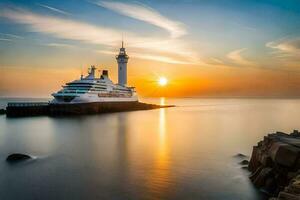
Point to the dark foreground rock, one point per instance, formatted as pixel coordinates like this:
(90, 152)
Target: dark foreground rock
(2, 111)
(15, 157)
(240, 155)
(244, 162)
(275, 165)
(291, 192)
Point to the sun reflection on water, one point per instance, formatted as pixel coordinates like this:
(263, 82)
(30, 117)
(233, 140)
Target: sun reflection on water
(162, 101)
(159, 178)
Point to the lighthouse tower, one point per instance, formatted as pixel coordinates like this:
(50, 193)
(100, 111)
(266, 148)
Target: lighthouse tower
(122, 59)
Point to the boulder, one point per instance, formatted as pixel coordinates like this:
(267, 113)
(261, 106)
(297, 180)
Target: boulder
(262, 176)
(2, 111)
(17, 157)
(254, 160)
(270, 185)
(284, 154)
(287, 196)
(240, 155)
(292, 191)
(266, 160)
(244, 162)
(295, 133)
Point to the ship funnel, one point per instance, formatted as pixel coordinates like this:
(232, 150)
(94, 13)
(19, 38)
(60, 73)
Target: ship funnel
(105, 73)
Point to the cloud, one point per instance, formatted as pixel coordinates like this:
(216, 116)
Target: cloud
(146, 56)
(12, 36)
(5, 39)
(63, 28)
(237, 58)
(54, 9)
(215, 61)
(59, 45)
(146, 14)
(75, 30)
(286, 47)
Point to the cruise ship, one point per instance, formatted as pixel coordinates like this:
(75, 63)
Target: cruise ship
(93, 89)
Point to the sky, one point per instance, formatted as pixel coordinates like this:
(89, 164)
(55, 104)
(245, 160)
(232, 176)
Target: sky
(205, 48)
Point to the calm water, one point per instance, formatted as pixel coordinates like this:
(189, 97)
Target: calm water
(176, 153)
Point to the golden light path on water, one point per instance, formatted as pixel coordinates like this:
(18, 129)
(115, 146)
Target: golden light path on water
(162, 101)
(159, 179)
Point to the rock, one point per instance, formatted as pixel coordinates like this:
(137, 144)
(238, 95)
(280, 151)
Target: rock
(270, 185)
(254, 160)
(17, 157)
(284, 154)
(281, 133)
(292, 191)
(2, 111)
(295, 133)
(260, 179)
(244, 162)
(287, 196)
(240, 155)
(275, 165)
(266, 160)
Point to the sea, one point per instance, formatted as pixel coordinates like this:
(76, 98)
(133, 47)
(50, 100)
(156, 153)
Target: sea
(185, 152)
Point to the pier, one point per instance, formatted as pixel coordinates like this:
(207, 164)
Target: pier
(23, 109)
(19, 109)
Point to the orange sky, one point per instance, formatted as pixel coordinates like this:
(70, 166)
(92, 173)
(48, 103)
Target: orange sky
(183, 81)
(204, 48)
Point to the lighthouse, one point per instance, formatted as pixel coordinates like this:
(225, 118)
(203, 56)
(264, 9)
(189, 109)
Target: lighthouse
(122, 59)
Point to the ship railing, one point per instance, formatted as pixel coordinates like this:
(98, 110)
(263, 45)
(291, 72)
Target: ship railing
(74, 91)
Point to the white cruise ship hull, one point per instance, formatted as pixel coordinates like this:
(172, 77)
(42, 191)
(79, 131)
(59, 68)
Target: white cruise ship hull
(88, 98)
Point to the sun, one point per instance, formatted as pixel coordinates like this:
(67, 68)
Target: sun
(162, 81)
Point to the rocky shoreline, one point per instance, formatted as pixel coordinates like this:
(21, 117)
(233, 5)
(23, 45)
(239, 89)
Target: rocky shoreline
(275, 165)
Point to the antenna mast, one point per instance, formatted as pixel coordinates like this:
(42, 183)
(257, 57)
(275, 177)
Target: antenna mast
(122, 41)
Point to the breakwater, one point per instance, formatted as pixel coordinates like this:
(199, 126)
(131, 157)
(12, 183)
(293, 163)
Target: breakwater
(44, 108)
(275, 165)
(20, 109)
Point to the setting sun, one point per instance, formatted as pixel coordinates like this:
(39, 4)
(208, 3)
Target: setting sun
(162, 81)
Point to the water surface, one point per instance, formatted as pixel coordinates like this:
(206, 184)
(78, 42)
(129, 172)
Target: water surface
(184, 152)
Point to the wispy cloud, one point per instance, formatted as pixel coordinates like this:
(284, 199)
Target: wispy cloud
(63, 28)
(6, 40)
(84, 32)
(146, 14)
(286, 46)
(59, 45)
(237, 58)
(146, 56)
(215, 61)
(6, 37)
(54, 9)
(11, 35)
